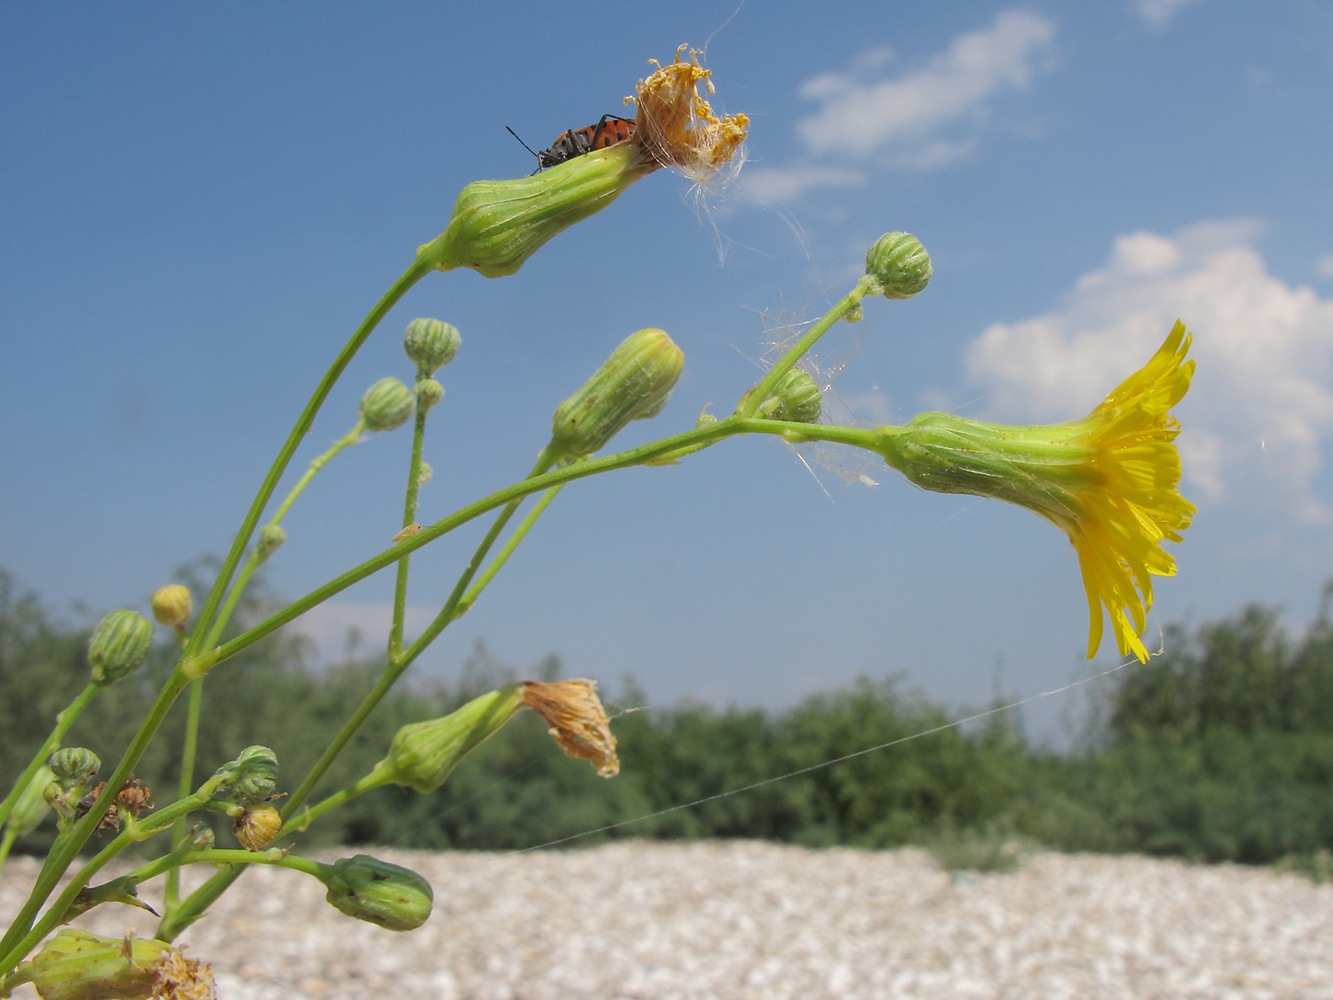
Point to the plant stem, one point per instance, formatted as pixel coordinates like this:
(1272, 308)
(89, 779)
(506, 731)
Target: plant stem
(409, 516)
(64, 853)
(171, 894)
(756, 399)
(415, 271)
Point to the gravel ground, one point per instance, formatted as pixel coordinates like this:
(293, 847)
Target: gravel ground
(756, 920)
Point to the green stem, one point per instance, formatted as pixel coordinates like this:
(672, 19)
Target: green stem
(409, 516)
(507, 550)
(373, 780)
(6, 842)
(134, 832)
(203, 897)
(171, 894)
(61, 857)
(751, 405)
(63, 721)
(414, 273)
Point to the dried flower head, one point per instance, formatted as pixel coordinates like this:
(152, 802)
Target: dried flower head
(576, 720)
(257, 827)
(678, 128)
(77, 965)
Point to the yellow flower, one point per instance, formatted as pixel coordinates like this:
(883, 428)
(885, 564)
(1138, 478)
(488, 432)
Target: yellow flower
(1109, 481)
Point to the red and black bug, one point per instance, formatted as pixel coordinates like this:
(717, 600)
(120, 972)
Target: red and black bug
(609, 131)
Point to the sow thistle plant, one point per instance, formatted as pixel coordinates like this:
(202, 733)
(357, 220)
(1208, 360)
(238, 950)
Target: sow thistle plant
(1109, 481)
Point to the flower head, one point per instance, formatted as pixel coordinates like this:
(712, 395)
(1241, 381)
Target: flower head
(1109, 481)
(77, 965)
(678, 127)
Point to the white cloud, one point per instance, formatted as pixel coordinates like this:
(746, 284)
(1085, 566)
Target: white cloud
(788, 183)
(1159, 13)
(1324, 266)
(1262, 398)
(916, 121)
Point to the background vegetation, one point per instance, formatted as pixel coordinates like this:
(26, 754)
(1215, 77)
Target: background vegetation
(1221, 749)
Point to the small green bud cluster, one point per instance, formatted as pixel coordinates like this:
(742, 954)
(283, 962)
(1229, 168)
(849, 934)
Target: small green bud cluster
(72, 769)
(386, 404)
(634, 383)
(250, 778)
(431, 344)
(118, 646)
(271, 537)
(897, 266)
(377, 892)
(796, 397)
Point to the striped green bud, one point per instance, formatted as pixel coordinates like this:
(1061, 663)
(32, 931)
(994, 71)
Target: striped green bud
(424, 753)
(497, 225)
(386, 404)
(429, 393)
(74, 765)
(431, 344)
(377, 892)
(251, 777)
(118, 646)
(634, 383)
(796, 397)
(898, 266)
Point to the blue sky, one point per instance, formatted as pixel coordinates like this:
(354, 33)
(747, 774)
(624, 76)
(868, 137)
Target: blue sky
(201, 202)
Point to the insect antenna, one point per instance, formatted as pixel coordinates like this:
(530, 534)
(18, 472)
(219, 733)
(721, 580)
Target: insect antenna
(522, 143)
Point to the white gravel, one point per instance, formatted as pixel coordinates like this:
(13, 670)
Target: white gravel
(758, 921)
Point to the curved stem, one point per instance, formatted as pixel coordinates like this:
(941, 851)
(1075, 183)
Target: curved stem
(409, 515)
(410, 277)
(751, 405)
(64, 853)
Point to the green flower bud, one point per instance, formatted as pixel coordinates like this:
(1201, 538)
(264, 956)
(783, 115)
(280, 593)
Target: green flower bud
(251, 777)
(395, 898)
(76, 965)
(387, 404)
(74, 765)
(119, 644)
(422, 754)
(431, 344)
(497, 225)
(429, 393)
(424, 473)
(201, 838)
(898, 266)
(854, 314)
(31, 806)
(796, 397)
(172, 604)
(633, 384)
(271, 537)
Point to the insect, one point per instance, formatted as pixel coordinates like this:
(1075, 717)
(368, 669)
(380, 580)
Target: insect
(609, 131)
